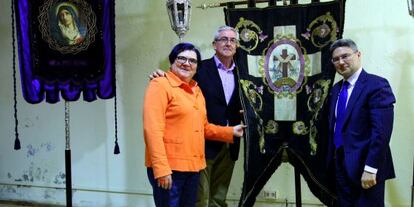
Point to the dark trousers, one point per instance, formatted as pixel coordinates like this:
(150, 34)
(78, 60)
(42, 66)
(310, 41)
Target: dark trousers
(351, 194)
(183, 192)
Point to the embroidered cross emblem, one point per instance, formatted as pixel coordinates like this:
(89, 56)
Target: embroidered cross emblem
(284, 61)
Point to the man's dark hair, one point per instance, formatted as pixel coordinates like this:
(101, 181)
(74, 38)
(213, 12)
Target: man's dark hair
(343, 43)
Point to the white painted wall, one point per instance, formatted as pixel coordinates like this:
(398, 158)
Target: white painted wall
(382, 28)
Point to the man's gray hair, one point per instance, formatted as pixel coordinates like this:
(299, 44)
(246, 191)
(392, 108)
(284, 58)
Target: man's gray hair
(343, 43)
(225, 28)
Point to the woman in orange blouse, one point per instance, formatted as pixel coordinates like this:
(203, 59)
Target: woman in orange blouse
(175, 125)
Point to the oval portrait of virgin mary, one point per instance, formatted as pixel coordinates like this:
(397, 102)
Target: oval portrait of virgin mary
(68, 26)
(68, 30)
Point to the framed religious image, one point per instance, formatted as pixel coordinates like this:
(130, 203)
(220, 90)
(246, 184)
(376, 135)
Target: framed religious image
(68, 29)
(67, 26)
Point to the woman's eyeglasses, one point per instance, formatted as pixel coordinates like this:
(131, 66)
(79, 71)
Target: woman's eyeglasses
(182, 60)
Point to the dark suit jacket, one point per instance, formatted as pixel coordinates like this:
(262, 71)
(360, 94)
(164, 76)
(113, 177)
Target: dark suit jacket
(218, 112)
(367, 127)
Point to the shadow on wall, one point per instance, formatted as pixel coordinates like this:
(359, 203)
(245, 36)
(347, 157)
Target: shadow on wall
(405, 60)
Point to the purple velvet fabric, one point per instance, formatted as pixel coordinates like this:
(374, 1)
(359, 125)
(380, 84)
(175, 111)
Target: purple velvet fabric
(36, 89)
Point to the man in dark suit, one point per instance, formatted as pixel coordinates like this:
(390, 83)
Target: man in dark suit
(218, 80)
(360, 125)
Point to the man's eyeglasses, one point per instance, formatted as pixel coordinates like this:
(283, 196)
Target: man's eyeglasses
(226, 40)
(182, 60)
(344, 57)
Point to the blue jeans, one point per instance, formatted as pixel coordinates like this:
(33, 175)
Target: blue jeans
(183, 192)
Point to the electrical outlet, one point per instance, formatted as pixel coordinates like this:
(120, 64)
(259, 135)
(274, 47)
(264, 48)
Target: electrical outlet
(269, 194)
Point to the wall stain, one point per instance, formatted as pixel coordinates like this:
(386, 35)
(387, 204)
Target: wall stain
(50, 194)
(47, 146)
(18, 191)
(27, 178)
(8, 190)
(60, 178)
(37, 174)
(27, 123)
(32, 151)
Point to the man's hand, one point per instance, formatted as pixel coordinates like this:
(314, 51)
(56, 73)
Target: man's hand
(157, 73)
(165, 182)
(368, 180)
(238, 130)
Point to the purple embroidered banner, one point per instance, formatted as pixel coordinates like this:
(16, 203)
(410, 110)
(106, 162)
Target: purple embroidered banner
(66, 48)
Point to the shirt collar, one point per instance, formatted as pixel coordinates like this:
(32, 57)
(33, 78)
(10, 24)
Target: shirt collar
(175, 81)
(221, 66)
(354, 77)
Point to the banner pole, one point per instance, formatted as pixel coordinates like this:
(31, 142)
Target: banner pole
(68, 167)
(298, 192)
(412, 189)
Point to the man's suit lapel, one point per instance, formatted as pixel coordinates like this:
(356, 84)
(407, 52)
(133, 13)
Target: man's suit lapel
(334, 99)
(356, 92)
(214, 76)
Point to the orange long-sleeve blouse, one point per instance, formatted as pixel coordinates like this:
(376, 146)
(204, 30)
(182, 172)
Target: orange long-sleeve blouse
(175, 125)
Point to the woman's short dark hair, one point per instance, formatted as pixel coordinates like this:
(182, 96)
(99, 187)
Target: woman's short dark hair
(181, 47)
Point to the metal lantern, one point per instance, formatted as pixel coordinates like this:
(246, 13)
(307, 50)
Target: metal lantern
(410, 7)
(179, 12)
